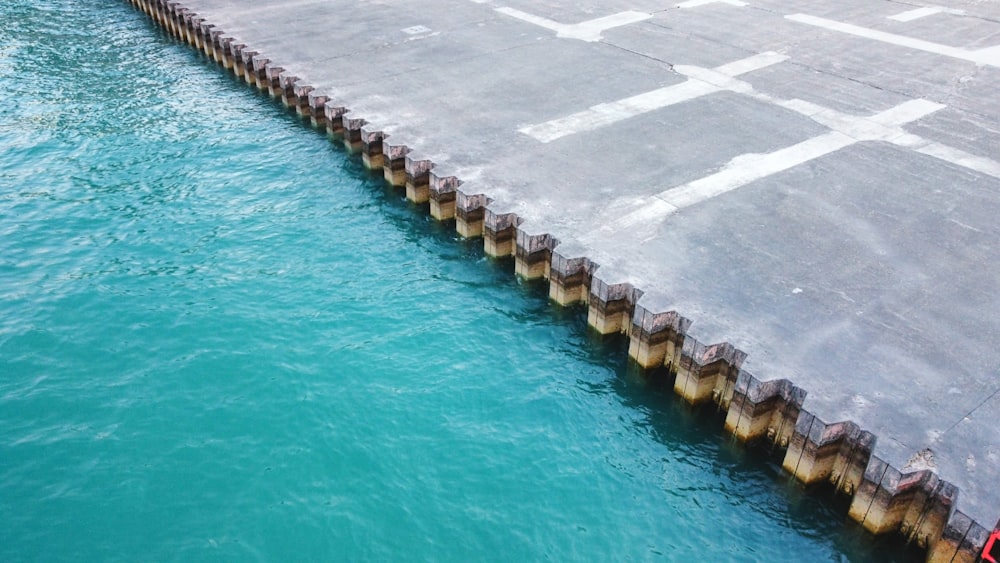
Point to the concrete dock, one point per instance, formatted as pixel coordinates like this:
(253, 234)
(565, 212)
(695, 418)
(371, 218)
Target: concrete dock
(792, 205)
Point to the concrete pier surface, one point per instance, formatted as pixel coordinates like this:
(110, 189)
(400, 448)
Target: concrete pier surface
(791, 204)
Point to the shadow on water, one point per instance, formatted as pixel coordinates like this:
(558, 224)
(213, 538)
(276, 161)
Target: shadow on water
(667, 417)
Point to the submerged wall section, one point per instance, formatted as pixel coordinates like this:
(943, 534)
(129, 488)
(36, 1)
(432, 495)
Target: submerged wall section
(916, 504)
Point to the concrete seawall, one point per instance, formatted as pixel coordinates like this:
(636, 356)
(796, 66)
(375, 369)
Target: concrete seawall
(898, 354)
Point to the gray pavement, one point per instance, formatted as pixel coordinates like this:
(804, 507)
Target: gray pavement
(817, 182)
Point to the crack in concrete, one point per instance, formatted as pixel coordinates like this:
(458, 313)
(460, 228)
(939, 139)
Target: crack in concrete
(969, 414)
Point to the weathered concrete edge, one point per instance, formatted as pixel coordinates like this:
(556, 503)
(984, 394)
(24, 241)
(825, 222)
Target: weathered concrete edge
(917, 504)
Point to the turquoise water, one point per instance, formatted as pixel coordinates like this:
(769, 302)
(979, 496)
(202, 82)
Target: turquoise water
(220, 339)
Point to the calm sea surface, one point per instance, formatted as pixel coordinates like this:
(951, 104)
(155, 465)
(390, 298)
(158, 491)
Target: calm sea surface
(222, 340)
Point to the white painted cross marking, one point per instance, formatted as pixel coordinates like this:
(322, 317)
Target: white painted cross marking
(601, 115)
(696, 3)
(989, 56)
(747, 168)
(918, 13)
(846, 130)
(589, 30)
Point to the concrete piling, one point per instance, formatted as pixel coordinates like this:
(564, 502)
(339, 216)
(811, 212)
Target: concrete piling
(210, 36)
(286, 91)
(610, 304)
(273, 80)
(236, 55)
(569, 276)
(499, 232)
(533, 253)
(443, 195)
(299, 98)
(706, 373)
(187, 23)
(418, 177)
(183, 25)
(394, 162)
(656, 337)
(258, 74)
(961, 541)
(213, 44)
(470, 213)
(316, 103)
(231, 49)
(220, 48)
(334, 121)
(837, 453)
(174, 18)
(928, 514)
(371, 147)
(352, 133)
(249, 73)
(763, 409)
(202, 37)
(916, 504)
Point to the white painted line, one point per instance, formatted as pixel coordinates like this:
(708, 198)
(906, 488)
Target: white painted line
(952, 155)
(884, 126)
(750, 64)
(696, 3)
(906, 112)
(847, 130)
(880, 127)
(990, 56)
(918, 13)
(989, 53)
(601, 115)
(589, 30)
(531, 18)
(653, 211)
(748, 168)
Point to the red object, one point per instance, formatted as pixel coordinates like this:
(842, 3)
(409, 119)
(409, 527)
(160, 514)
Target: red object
(988, 550)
